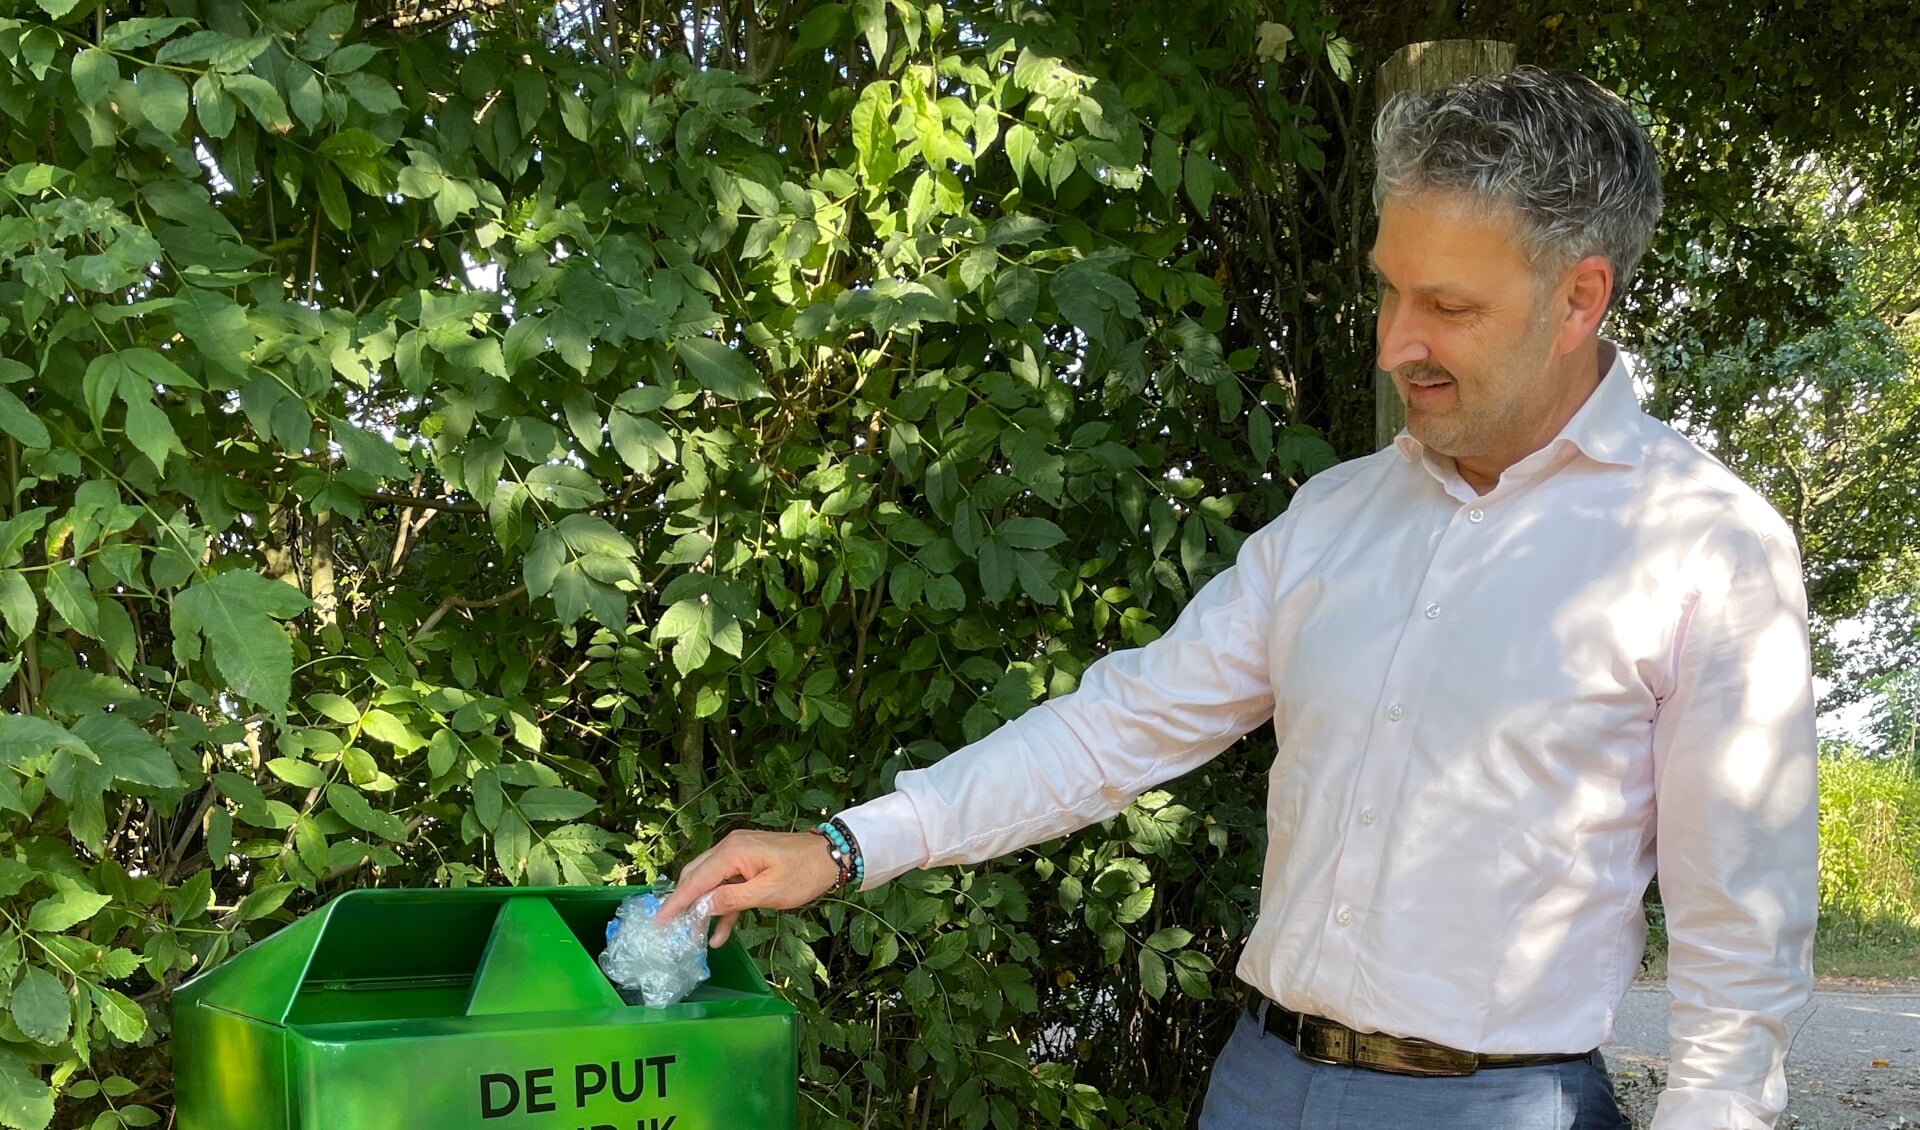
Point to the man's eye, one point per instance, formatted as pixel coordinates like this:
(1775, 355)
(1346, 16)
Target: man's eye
(1449, 311)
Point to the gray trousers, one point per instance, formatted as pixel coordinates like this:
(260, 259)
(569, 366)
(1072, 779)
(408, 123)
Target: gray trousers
(1260, 1083)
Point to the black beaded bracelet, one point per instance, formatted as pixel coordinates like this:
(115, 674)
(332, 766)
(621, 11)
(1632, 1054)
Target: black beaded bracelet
(858, 859)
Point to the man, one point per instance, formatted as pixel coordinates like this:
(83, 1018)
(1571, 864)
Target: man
(1507, 659)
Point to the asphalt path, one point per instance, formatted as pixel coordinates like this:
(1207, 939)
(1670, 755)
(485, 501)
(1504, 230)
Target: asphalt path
(1838, 1027)
(1854, 1063)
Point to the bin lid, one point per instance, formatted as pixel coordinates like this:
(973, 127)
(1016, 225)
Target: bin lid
(443, 955)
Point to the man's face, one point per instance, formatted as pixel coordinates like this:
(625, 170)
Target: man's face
(1464, 330)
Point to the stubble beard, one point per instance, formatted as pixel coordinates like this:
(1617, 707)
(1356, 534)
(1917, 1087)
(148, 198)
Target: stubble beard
(1475, 425)
(1442, 433)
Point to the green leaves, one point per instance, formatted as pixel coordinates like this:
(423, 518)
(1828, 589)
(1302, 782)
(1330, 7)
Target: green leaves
(212, 106)
(40, 1007)
(18, 421)
(367, 452)
(870, 19)
(233, 616)
(1135, 906)
(1199, 178)
(142, 31)
(1086, 293)
(122, 1017)
(262, 901)
(720, 369)
(702, 616)
(1031, 533)
(328, 338)
(218, 327)
(94, 72)
(261, 100)
(564, 486)
(874, 139)
(546, 804)
(72, 597)
(583, 562)
(297, 773)
(388, 728)
(70, 907)
(697, 628)
(642, 444)
(25, 736)
(354, 809)
(219, 50)
(130, 375)
(26, 1101)
(148, 427)
(1153, 974)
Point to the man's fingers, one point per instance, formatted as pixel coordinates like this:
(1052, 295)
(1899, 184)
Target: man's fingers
(681, 898)
(733, 897)
(723, 929)
(707, 871)
(748, 870)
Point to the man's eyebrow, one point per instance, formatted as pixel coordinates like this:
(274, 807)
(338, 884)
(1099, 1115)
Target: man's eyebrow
(1379, 276)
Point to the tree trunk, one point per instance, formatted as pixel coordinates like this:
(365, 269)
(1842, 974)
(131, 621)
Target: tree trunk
(690, 742)
(324, 603)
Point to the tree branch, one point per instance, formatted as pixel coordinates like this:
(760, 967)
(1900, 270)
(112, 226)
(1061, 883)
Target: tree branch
(453, 602)
(428, 503)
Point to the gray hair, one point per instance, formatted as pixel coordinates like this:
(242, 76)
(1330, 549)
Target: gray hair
(1562, 152)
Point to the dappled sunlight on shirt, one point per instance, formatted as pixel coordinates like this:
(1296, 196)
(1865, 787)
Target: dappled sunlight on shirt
(1490, 709)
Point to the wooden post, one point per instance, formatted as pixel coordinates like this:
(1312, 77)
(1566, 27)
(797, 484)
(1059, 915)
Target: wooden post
(1420, 67)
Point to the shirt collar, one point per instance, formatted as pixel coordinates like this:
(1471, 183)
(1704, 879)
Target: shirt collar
(1605, 429)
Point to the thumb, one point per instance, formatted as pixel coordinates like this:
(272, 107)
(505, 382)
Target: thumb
(724, 929)
(676, 901)
(708, 870)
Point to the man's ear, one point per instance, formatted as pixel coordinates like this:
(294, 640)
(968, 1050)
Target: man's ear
(1586, 288)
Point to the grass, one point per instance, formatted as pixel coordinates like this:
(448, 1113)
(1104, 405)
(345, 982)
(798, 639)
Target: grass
(1885, 956)
(1876, 958)
(1869, 874)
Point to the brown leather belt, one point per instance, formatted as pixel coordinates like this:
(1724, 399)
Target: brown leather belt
(1326, 1041)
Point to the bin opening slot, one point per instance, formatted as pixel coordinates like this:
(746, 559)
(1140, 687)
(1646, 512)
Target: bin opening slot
(395, 959)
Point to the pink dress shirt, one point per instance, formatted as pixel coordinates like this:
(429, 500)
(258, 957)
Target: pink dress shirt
(1492, 712)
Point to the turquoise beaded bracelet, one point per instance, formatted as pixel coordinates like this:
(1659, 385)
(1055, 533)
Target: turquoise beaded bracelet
(846, 852)
(843, 870)
(853, 851)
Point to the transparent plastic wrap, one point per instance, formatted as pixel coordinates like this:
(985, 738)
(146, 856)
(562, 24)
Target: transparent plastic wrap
(658, 963)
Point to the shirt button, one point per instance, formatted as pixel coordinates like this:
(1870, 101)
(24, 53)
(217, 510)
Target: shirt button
(1476, 515)
(1433, 612)
(1395, 713)
(1366, 816)
(1343, 918)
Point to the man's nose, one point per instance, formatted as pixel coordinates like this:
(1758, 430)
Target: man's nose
(1397, 335)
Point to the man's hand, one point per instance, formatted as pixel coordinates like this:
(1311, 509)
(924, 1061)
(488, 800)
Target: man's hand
(749, 870)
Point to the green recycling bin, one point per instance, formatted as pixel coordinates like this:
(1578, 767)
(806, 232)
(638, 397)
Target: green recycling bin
(473, 1009)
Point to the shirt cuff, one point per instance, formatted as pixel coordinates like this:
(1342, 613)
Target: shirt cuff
(891, 838)
(1701, 1108)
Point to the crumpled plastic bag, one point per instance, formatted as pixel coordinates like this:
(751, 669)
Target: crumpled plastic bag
(660, 962)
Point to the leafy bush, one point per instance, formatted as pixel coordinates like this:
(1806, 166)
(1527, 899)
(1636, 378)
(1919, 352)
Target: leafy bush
(486, 450)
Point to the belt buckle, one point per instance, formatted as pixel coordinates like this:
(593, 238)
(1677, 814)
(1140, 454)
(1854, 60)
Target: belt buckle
(1324, 1043)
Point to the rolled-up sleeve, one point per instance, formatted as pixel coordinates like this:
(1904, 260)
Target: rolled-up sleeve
(1138, 717)
(1736, 835)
